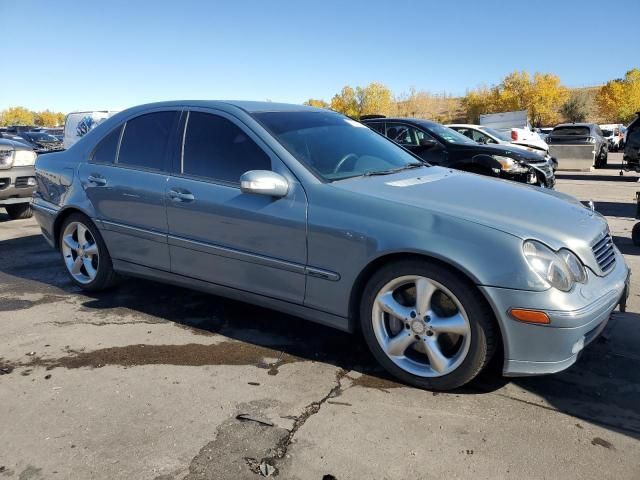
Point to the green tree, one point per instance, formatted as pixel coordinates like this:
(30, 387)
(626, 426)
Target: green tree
(16, 116)
(577, 107)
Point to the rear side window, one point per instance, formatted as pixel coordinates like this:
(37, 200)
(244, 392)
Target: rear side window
(571, 131)
(378, 127)
(216, 148)
(106, 150)
(145, 138)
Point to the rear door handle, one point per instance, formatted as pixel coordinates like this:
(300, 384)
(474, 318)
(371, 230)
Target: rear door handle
(97, 180)
(181, 195)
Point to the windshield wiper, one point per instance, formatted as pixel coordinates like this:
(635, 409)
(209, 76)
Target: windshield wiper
(409, 166)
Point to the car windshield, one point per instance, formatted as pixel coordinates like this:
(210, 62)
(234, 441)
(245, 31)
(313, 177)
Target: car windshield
(571, 131)
(495, 133)
(335, 147)
(41, 137)
(607, 133)
(447, 134)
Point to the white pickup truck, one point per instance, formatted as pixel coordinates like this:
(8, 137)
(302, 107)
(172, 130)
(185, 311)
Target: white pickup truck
(515, 124)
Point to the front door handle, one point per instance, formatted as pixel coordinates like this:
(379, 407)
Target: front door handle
(97, 180)
(181, 195)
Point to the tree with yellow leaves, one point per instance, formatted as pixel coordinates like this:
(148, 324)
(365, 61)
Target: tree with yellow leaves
(619, 99)
(46, 118)
(541, 96)
(313, 102)
(16, 116)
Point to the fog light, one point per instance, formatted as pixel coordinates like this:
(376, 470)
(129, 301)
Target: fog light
(579, 345)
(31, 181)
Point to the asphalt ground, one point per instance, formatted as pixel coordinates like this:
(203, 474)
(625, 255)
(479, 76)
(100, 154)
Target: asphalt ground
(150, 381)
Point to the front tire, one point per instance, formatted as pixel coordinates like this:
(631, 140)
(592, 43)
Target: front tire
(19, 211)
(635, 234)
(427, 325)
(85, 254)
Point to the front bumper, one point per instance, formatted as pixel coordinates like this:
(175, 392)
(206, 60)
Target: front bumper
(14, 185)
(577, 318)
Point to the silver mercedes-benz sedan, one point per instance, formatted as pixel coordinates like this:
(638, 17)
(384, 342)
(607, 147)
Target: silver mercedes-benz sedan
(308, 212)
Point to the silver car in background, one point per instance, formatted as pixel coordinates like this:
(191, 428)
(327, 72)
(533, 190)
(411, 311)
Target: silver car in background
(309, 212)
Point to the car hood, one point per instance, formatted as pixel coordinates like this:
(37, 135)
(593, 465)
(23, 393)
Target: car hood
(527, 212)
(520, 153)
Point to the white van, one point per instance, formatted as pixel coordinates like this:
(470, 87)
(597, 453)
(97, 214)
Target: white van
(78, 124)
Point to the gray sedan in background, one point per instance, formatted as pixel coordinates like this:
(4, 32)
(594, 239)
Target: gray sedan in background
(309, 212)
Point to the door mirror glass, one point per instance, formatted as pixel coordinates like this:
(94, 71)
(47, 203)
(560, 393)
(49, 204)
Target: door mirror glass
(264, 182)
(427, 143)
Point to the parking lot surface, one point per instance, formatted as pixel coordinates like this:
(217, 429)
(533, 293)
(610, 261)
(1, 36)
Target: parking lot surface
(150, 381)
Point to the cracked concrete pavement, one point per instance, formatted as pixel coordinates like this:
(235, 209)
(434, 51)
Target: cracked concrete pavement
(150, 381)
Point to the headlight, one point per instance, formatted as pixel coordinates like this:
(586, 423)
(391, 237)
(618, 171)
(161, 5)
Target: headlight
(560, 270)
(578, 272)
(24, 158)
(509, 164)
(6, 159)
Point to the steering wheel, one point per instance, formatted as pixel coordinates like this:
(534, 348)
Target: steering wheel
(343, 160)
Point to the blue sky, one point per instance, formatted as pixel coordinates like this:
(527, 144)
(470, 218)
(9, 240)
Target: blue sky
(67, 55)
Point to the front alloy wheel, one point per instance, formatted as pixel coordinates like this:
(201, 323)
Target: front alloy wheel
(421, 326)
(427, 324)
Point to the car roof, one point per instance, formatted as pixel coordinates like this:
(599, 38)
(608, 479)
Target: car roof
(575, 125)
(417, 121)
(466, 125)
(248, 106)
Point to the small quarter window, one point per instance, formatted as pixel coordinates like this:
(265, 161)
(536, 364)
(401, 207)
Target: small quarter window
(145, 138)
(106, 150)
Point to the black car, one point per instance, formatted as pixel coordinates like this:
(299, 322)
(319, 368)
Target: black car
(42, 142)
(632, 146)
(440, 145)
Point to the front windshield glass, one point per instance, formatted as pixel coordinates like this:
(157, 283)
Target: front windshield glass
(41, 137)
(495, 133)
(449, 135)
(607, 133)
(333, 146)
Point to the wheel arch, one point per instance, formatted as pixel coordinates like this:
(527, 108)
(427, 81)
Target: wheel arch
(386, 259)
(61, 217)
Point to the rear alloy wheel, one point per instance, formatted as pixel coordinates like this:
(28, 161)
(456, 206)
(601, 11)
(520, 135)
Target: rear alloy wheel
(19, 211)
(85, 255)
(426, 325)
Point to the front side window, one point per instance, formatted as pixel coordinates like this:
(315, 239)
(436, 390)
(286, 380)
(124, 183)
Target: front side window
(106, 150)
(145, 139)
(216, 148)
(334, 146)
(448, 135)
(403, 134)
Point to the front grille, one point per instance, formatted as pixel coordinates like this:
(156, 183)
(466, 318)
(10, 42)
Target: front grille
(4, 183)
(604, 253)
(22, 182)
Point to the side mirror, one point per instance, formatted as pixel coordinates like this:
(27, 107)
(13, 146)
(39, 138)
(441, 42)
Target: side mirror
(427, 143)
(264, 182)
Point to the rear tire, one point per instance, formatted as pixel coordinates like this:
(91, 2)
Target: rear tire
(441, 343)
(19, 211)
(85, 254)
(635, 234)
